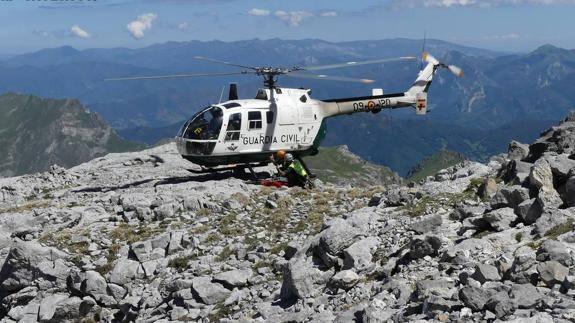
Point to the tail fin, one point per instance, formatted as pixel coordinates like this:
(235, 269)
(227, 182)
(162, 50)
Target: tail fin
(423, 81)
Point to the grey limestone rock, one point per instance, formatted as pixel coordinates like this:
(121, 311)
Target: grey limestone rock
(552, 272)
(358, 256)
(208, 292)
(541, 174)
(485, 272)
(529, 211)
(525, 295)
(517, 150)
(125, 271)
(501, 305)
(500, 219)
(26, 260)
(234, 278)
(509, 196)
(555, 250)
(344, 279)
(474, 297)
(427, 224)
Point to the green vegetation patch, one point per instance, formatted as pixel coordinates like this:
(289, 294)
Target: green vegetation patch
(131, 234)
(430, 204)
(560, 229)
(430, 166)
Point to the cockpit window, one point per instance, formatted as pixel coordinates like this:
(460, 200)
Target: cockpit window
(234, 127)
(205, 125)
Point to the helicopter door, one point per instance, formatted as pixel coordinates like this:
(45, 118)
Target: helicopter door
(234, 127)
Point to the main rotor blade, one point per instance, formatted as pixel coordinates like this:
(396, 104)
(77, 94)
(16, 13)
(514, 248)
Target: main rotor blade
(175, 76)
(330, 78)
(201, 58)
(353, 63)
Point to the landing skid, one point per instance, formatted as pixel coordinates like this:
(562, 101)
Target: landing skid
(237, 169)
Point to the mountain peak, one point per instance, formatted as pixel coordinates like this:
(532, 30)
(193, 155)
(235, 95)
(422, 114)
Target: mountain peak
(549, 49)
(38, 132)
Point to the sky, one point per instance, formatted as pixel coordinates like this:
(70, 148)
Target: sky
(504, 25)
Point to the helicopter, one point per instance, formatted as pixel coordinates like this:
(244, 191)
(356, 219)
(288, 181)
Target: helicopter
(243, 133)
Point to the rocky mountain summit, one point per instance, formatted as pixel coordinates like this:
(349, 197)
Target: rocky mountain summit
(135, 237)
(36, 133)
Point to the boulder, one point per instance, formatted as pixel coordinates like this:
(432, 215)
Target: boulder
(94, 285)
(525, 295)
(142, 250)
(131, 201)
(175, 242)
(501, 305)
(561, 166)
(336, 237)
(523, 269)
(442, 287)
(27, 261)
(541, 175)
(510, 196)
(208, 292)
(234, 278)
(488, 188)
(48, 306)
(344, 279)
(517, 151)
(500, 219)
(402, 289)
(358, 256)
(548, 198)
(125, 271)
(165, 211)
(485, 272)
(67, 310)
(377, 312)
(529, 211)
(463, 212)
(516, 172)
(302, 279)
(427, 224)
(424, 246)
(557, 251)
(553, 218)
(552, 272)
(474, 297)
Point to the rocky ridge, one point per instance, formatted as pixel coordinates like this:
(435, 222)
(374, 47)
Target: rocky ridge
(135, 237)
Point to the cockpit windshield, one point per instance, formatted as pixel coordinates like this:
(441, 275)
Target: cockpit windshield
(205, 125)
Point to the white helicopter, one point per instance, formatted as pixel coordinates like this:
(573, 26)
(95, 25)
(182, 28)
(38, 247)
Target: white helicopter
(243, 133)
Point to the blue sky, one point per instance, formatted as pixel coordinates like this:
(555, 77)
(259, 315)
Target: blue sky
(510, 25)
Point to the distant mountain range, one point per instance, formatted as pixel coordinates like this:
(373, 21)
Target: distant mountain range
(502, 96)
(36, 133)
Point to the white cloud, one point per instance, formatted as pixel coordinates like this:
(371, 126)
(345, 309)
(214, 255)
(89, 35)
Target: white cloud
(293, 18)
(184, 25)
(258, 12)
(79, 32)
(142, 24)
(328, 14)
(475, 3)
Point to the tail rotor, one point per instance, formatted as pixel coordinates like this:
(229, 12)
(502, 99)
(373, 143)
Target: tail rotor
(456, 70)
